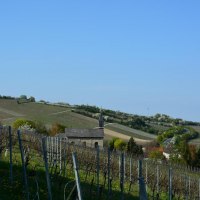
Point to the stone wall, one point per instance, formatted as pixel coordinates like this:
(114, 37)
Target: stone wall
(87, 142)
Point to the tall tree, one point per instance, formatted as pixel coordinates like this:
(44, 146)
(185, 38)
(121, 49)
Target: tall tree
(133, 148)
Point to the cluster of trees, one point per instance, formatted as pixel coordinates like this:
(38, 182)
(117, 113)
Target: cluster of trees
(138, 123)
(132, 121)
(6, 97)
(166, 120)
(30, 125)
(180, 151)
(181, 133)
(38, 127)
(186, 153)
(22, 98)
(131, 147)
(25, 99)
(144, 123)
(87, 108)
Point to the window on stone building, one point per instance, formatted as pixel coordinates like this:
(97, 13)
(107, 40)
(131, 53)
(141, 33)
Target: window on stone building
(84, 144)
(96, 144)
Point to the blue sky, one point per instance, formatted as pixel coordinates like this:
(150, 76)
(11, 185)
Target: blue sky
(141, 57)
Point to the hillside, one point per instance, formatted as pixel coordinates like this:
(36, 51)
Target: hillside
(48, 114)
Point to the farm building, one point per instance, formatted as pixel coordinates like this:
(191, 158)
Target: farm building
(85, 137)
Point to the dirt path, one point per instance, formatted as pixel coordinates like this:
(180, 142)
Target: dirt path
(57, 113)
(124, 137)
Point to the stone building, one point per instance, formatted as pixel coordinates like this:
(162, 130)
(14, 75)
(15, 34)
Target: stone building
(85, 137)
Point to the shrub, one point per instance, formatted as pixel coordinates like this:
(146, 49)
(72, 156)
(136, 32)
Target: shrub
(57, 128)
(120, 145)
(156, 155)
(23, 122)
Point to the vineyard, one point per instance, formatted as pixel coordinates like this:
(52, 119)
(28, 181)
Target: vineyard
(36, 167)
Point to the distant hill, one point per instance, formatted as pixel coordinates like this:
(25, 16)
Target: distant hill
(47, 113)
(85, 116)
(10, 110)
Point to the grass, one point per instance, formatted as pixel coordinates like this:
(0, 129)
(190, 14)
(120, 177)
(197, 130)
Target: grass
(87, 171)
(16, 190)
(47, 114)
(158, 127)
(35, 171)
(196, 141)
(131, 132)
(4, 115)
(10, 110)
(8, 191)
(196, 128)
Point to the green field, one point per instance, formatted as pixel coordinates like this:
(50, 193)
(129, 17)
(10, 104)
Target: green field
(197, 128)
(131, 132)
(197, 140)
(47, 114)
(10, 110)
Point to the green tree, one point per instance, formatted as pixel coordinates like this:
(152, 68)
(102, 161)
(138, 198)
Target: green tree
(137, 123)
(112, 143)
(32, 99)
(156, 155)
(188, 153)
(133, 148)
(182, 133)
(23, 97)
(198, 158)
(31, 125)
(120, 145)
(160, 138)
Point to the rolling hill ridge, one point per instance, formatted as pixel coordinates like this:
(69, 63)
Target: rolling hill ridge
(10, 110)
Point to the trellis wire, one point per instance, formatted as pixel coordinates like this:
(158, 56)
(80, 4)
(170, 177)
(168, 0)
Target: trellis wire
(46, 168)
(170, 183)
(122, 175)
(23, 165)
(58, 155)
